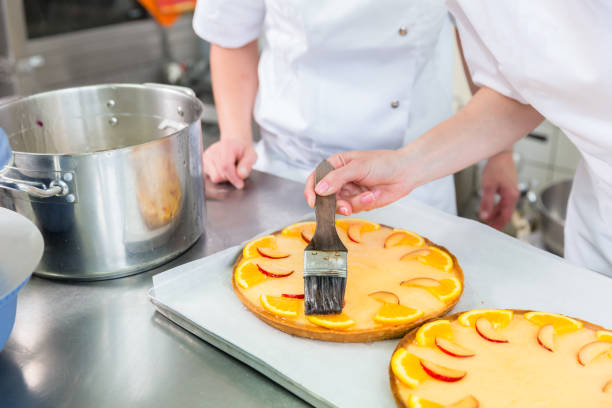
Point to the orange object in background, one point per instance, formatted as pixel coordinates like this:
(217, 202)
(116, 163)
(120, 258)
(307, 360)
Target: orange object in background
(175, 6)
(163, 11)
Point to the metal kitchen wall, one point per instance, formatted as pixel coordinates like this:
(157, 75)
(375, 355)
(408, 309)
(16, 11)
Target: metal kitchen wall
(50, 44)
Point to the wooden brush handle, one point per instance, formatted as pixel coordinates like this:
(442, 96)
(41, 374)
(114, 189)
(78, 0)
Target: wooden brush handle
(325, 236)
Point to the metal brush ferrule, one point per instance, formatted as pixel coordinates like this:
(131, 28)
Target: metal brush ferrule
(325, 263)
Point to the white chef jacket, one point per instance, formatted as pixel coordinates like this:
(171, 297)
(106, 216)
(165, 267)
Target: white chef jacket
(556, 56)
(337, 76)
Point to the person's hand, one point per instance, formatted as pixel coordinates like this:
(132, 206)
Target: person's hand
(498, 177)
(362, 180)
(229, 160)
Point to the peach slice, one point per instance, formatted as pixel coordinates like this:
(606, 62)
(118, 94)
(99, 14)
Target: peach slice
(485, 329)
(607, 388)
(272, 253)
(385, 297)
(394, 239)
(403, 237)
(442, 373)
(546, 337)
(421, 282)
(275, 272)
(591, 351)
(354, 232)
(307, 234)
(453, 349)
(414, 255)
(293, 296)
(467, 402)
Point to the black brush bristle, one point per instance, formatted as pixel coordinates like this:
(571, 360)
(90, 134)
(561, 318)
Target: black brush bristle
(323, 295)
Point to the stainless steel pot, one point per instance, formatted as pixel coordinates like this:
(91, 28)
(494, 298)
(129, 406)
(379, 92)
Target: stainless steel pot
(111, 175)
(552, 206)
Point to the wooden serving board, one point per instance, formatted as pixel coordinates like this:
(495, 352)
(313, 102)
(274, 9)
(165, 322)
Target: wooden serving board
(500, 272)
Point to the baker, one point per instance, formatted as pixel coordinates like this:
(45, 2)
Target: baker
(533, 60)
(331, 78)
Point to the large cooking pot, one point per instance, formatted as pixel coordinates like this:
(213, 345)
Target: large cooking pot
(110, 174)
(552, 206)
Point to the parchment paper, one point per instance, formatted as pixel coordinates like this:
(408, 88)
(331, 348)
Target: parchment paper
(500, 272)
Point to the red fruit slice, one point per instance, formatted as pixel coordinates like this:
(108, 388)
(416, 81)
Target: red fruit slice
(453, 349)
(442, 373)
(354, 232)
(385, 297)
(485, 329)
(272, 253)
(274, 273)
(467, 402)
(293, 296)
(608, 387)
(593, 350)
(307, 234)
(546, 337)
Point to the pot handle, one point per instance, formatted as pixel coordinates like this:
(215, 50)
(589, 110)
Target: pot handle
(34, 188)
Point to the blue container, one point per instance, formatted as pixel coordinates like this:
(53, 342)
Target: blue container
(21, 247)
(8, 309)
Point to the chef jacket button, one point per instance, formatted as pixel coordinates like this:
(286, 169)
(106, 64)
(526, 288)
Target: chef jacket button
(402, 31)
(395, 104)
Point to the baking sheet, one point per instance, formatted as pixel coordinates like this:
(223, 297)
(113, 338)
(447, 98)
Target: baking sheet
(500, 272)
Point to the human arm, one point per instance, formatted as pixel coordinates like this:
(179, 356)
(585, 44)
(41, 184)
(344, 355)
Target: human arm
(488, 124)
(235, 82)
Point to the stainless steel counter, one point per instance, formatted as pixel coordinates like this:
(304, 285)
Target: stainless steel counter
(101, 344)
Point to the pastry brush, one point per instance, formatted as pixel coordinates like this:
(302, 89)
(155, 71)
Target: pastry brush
(324, 257)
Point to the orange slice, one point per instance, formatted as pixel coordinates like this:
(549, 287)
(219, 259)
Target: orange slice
(402, 237)
(444, 289)
(337, 321)
(304, 230)
(366, 226)
(426, 335)
(431, 256)
(407, 368)
(562, 324)
(498, 317)
(250, 249)
(248, 274)
(391, 313)
(603, 335)
(280, 305)
(449, 289)
(418, 402)
(355, 227)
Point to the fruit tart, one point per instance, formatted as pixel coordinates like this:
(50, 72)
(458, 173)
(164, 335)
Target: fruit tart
(502, 359)
(396, 279)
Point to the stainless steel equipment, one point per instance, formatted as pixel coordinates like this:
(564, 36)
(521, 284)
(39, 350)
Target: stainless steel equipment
(52, 44)
(111, 175)
(552, 206)
(101, 344)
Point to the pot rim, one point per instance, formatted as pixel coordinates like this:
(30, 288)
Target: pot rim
(164, 87)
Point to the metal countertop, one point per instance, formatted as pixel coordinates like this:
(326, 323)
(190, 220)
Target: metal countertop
(101, 344)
